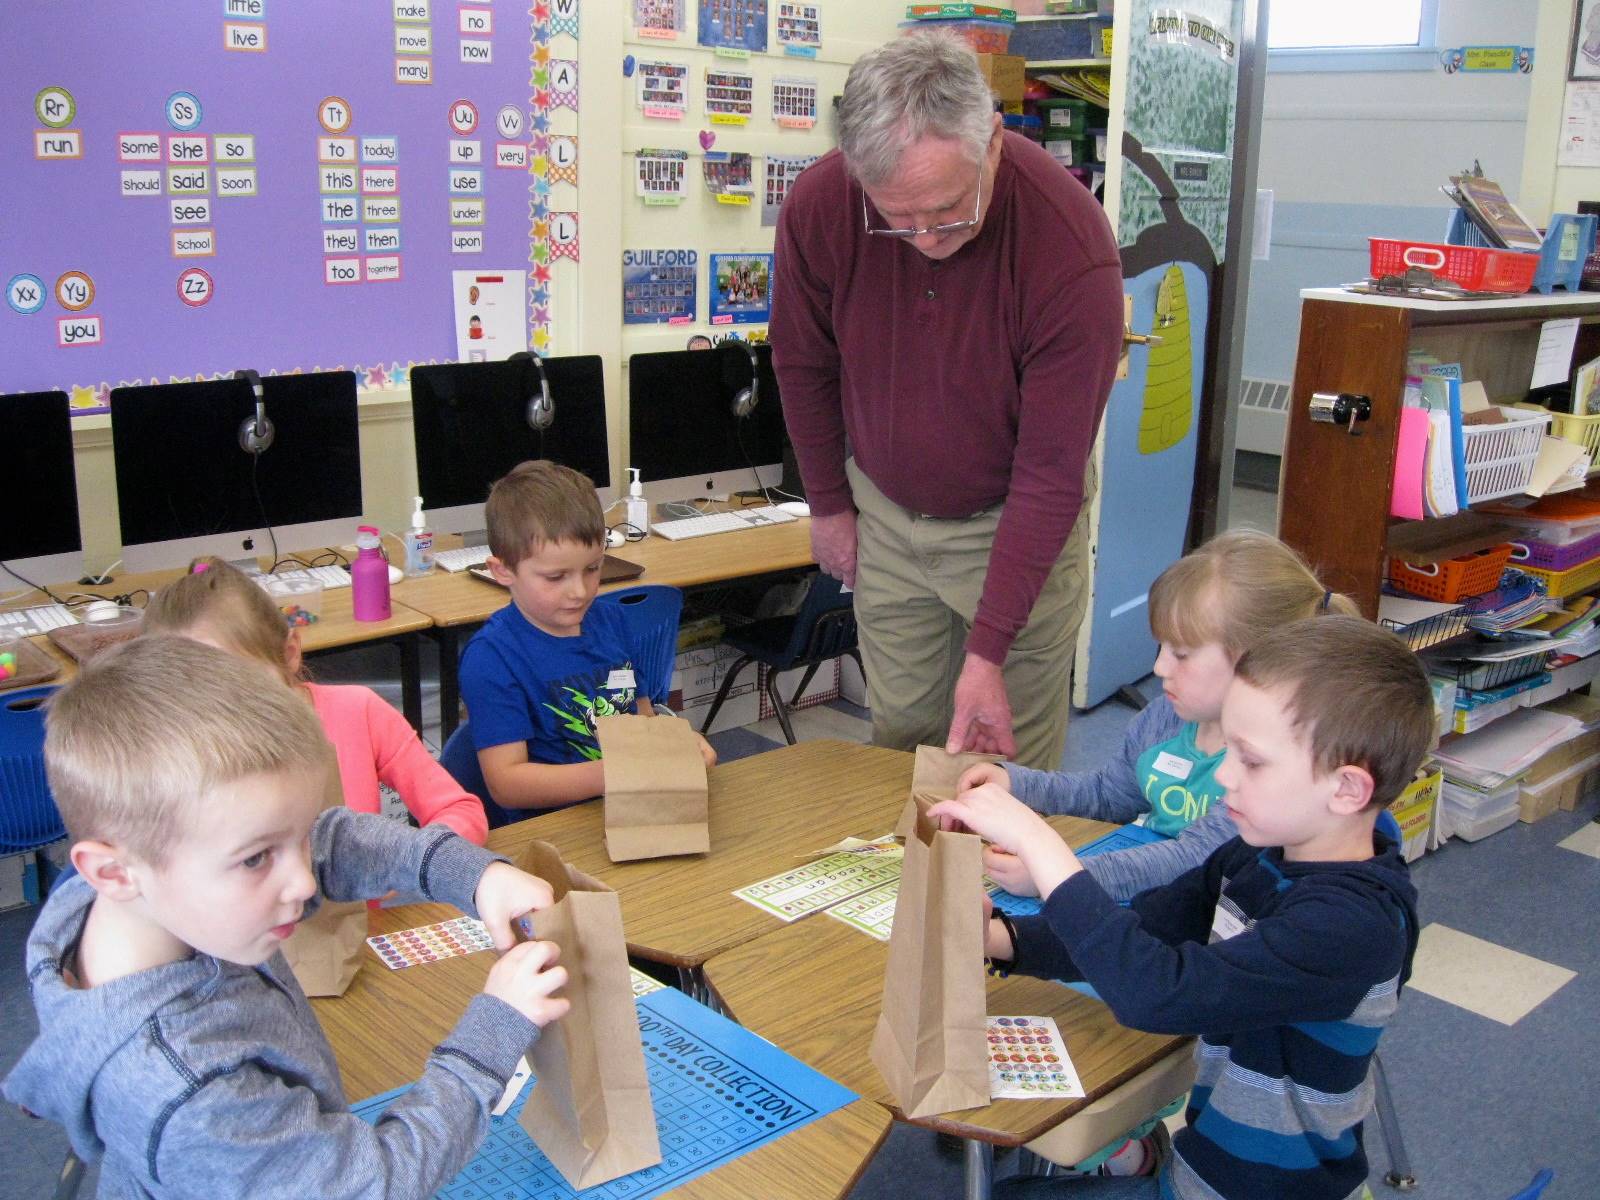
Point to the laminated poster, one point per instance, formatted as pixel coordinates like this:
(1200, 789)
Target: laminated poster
(491, 310)
(741, 289)
(738, 26)
(658, 286)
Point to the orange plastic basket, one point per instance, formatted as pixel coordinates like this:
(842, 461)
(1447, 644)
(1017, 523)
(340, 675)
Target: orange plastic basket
(1473, 267)
(1452, 580)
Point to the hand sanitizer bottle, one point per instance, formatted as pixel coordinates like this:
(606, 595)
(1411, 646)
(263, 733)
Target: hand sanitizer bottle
(638, 506)
(419, 544)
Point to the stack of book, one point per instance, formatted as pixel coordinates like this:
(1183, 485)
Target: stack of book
(1500, 222)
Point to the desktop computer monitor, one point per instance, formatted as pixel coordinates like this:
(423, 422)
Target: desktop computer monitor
(39, 538)
(185, 485)
(470, 422)
(683, 434)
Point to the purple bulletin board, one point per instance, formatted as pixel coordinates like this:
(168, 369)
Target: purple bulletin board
(77, 77)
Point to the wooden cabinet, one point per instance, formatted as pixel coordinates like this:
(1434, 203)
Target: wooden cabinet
(1333, 495)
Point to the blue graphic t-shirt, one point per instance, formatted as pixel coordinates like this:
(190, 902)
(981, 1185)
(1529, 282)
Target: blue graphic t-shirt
(1179, 781)
(522, 684)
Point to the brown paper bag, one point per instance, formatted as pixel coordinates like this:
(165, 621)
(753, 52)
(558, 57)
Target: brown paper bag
(326, 949)
(930, 1043)
(934, 776)
(655, 802)
(590, 1109)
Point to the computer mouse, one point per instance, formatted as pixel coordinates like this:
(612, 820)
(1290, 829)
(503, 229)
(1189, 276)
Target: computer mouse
(795, 508)
(615, 537)
(395, 574)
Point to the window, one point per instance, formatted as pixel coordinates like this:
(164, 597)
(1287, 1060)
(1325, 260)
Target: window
(1317, 24)
(1352, 35)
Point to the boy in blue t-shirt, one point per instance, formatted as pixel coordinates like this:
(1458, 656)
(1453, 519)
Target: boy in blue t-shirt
(542, 669)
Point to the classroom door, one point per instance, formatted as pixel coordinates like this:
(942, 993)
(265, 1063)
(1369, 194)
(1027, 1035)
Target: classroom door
(1170, 207)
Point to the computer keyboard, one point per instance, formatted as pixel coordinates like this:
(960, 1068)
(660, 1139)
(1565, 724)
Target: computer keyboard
(29, 622)
(330, 577)
(460, 560)
(720, 522)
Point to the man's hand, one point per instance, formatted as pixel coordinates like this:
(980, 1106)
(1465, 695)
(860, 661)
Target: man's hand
(524, 978)
(1007, 870)
(833, 545)
(981, 774)
(982, 713)
(706, 752)
(504, 894)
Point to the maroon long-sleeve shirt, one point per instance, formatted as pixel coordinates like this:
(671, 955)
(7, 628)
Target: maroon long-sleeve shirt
(958, 384)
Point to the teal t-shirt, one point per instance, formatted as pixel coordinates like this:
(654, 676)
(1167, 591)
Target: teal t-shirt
(1179, 782)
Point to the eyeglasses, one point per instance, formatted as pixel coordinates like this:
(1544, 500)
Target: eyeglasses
(937, 230)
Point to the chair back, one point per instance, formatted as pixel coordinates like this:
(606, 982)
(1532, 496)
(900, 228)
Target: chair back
(28, 816)
(460, 758)
(651, 614)
(825, 626)
(1389, 827)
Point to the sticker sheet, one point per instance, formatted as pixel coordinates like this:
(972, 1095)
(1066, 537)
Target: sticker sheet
(1028, 1061)
(719, 1092)
(820, 885)
(430, 943)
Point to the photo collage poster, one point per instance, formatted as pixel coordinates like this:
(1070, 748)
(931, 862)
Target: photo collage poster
(779, 174)
(658, 286)
(739, 25)
(799, 29)
(728, 174)
(663, 89)
(741, 288)
(730, 96)
(661, 176)
(659, 19)
(794, 101)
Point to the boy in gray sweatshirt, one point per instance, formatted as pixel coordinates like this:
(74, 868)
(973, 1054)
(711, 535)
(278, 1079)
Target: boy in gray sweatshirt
(175, 1045)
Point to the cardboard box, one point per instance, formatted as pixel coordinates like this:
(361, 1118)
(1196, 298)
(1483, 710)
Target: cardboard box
(824, 686)
(696, 676)
(852, 683)
(1006, 75)
(1563, 791)
(1416, 810)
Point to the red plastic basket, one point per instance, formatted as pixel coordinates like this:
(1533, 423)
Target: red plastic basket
(1473, 267)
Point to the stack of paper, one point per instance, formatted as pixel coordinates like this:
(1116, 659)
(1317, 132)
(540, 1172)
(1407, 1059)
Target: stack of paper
(1500, 751)
(1518, 601)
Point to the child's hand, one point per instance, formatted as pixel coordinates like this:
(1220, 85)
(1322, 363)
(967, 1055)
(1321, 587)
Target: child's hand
(706, 752)
(1007, 870)
(504, 894)
(992, 813)
(525, 977)
(981, 774)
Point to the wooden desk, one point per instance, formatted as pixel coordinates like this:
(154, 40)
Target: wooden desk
(459, 602)
(767, 811)
(383, 1028)
(335, 629)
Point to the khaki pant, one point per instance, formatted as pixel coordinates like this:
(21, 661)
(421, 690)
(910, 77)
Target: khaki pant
(918, 582)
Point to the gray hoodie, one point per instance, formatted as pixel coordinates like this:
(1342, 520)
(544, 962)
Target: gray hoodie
(207, 1078)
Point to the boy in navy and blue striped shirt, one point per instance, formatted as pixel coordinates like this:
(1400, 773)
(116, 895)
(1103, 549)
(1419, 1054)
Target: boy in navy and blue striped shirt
(1285, 951)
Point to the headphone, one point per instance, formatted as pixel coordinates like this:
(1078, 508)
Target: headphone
(541, 409)
(255, 433)
(746, 398)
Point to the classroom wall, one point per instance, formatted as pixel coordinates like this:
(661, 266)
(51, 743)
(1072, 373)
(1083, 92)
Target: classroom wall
(587, 294)
(1349, 155)
(1547, 187)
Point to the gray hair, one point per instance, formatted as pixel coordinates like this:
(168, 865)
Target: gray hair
(920, 84)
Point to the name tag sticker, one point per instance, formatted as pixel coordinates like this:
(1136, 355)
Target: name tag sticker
(1225, 925)
(1171, 764)
(619, 679)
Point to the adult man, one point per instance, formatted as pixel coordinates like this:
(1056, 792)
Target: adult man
(947, 316)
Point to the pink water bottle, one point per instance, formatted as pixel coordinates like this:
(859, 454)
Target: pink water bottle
(369, 577)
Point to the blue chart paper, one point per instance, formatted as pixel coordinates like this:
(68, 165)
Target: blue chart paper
(719, 1092)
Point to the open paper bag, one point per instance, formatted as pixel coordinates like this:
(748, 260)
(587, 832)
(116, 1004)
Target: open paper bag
(934, 776)
(930, 1042)
(656, 798)
(326, 949)
(590, 1109)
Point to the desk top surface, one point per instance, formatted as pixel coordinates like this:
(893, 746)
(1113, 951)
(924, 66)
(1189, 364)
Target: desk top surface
(460, 599)
(383, 1028)
(768, 812)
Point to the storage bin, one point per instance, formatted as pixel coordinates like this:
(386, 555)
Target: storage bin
(985, 37)
(1570, 582)
(1053, 38)
(1063, 118)
(1500, 457)
(1456, 579)
(1584, 430)
(1552, 556)
(1429, 631)
(299, 600)
(1474, 268)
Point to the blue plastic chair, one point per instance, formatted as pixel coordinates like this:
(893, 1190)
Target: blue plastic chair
(823, 629)
(651, 613)
(460, 758)
(28, 815)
